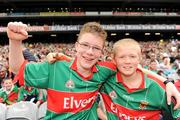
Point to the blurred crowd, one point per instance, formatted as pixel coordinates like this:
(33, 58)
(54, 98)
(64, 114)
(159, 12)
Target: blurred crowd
(161, 57)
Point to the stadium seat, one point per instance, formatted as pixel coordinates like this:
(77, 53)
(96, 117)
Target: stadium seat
(42, 111)
(3, 109)
(23, 110)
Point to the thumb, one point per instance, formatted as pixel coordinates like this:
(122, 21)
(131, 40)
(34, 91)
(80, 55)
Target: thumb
(24, 32)
(56, 55)
(52, 61)
(168, 99)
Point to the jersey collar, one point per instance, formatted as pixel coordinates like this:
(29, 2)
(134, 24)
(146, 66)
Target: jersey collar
(74, 67)
(142, 85)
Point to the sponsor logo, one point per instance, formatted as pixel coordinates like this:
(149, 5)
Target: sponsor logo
(129, 113)
(60, 102)
(124, 116)
(73, 103)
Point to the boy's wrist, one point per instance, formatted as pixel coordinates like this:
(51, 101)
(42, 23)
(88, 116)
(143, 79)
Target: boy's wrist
(168, 81)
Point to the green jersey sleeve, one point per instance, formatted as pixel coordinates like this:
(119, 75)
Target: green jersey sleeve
(37, 75)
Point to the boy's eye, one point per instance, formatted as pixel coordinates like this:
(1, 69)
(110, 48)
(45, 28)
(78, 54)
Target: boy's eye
(132, 56)
(97, 49)
(85, 45)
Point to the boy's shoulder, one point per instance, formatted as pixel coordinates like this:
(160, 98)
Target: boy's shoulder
(107, 64)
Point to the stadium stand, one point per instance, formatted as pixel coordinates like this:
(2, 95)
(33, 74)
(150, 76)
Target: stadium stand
(3, 109)
(51, 19)
(22, 111)
(42, 111)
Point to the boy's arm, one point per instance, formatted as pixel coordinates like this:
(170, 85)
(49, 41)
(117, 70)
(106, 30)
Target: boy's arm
(101, 114)
(53, 57)
(17, 32)
(170, 88)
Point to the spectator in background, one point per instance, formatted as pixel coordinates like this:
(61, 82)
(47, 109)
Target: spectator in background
(1, 72)
(5, 73)
(28, 55)
(165, 64)
(30, 94)
(9, 92)
(176, 64)
(153, 66)
(146, 62)
(153, 57)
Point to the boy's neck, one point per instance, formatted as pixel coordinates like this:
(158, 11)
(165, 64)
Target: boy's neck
(133, 81)
(84, 72)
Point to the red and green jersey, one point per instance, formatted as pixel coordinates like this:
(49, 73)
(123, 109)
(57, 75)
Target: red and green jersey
(26, 94)
(143, 103)
(9, 98)
(70, 96)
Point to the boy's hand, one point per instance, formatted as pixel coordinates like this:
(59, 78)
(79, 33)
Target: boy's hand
(17, 31)
(172, 92)
(52, 57)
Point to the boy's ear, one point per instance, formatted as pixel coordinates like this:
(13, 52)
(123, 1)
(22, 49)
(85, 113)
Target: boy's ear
(76, 46)
(140, 59)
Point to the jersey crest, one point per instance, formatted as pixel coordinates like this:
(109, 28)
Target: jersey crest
(143, 105)
(113, 94)
(70, 84)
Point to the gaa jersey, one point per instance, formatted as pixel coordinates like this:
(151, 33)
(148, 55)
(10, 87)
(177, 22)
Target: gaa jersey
(70, 96)
(144, 103)
(26, 94)
(9, 98)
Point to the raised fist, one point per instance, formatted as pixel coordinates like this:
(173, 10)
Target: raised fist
(17, 31)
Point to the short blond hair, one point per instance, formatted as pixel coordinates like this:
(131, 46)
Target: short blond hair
(94, 28)
(126, 42)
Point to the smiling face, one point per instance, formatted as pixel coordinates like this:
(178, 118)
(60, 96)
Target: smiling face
(3, 72)
(127, 56)
(8, 84)
(89, 49)
(89, 46)
(153, 65)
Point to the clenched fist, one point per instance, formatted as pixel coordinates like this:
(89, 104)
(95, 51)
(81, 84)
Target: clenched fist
(17, 31)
